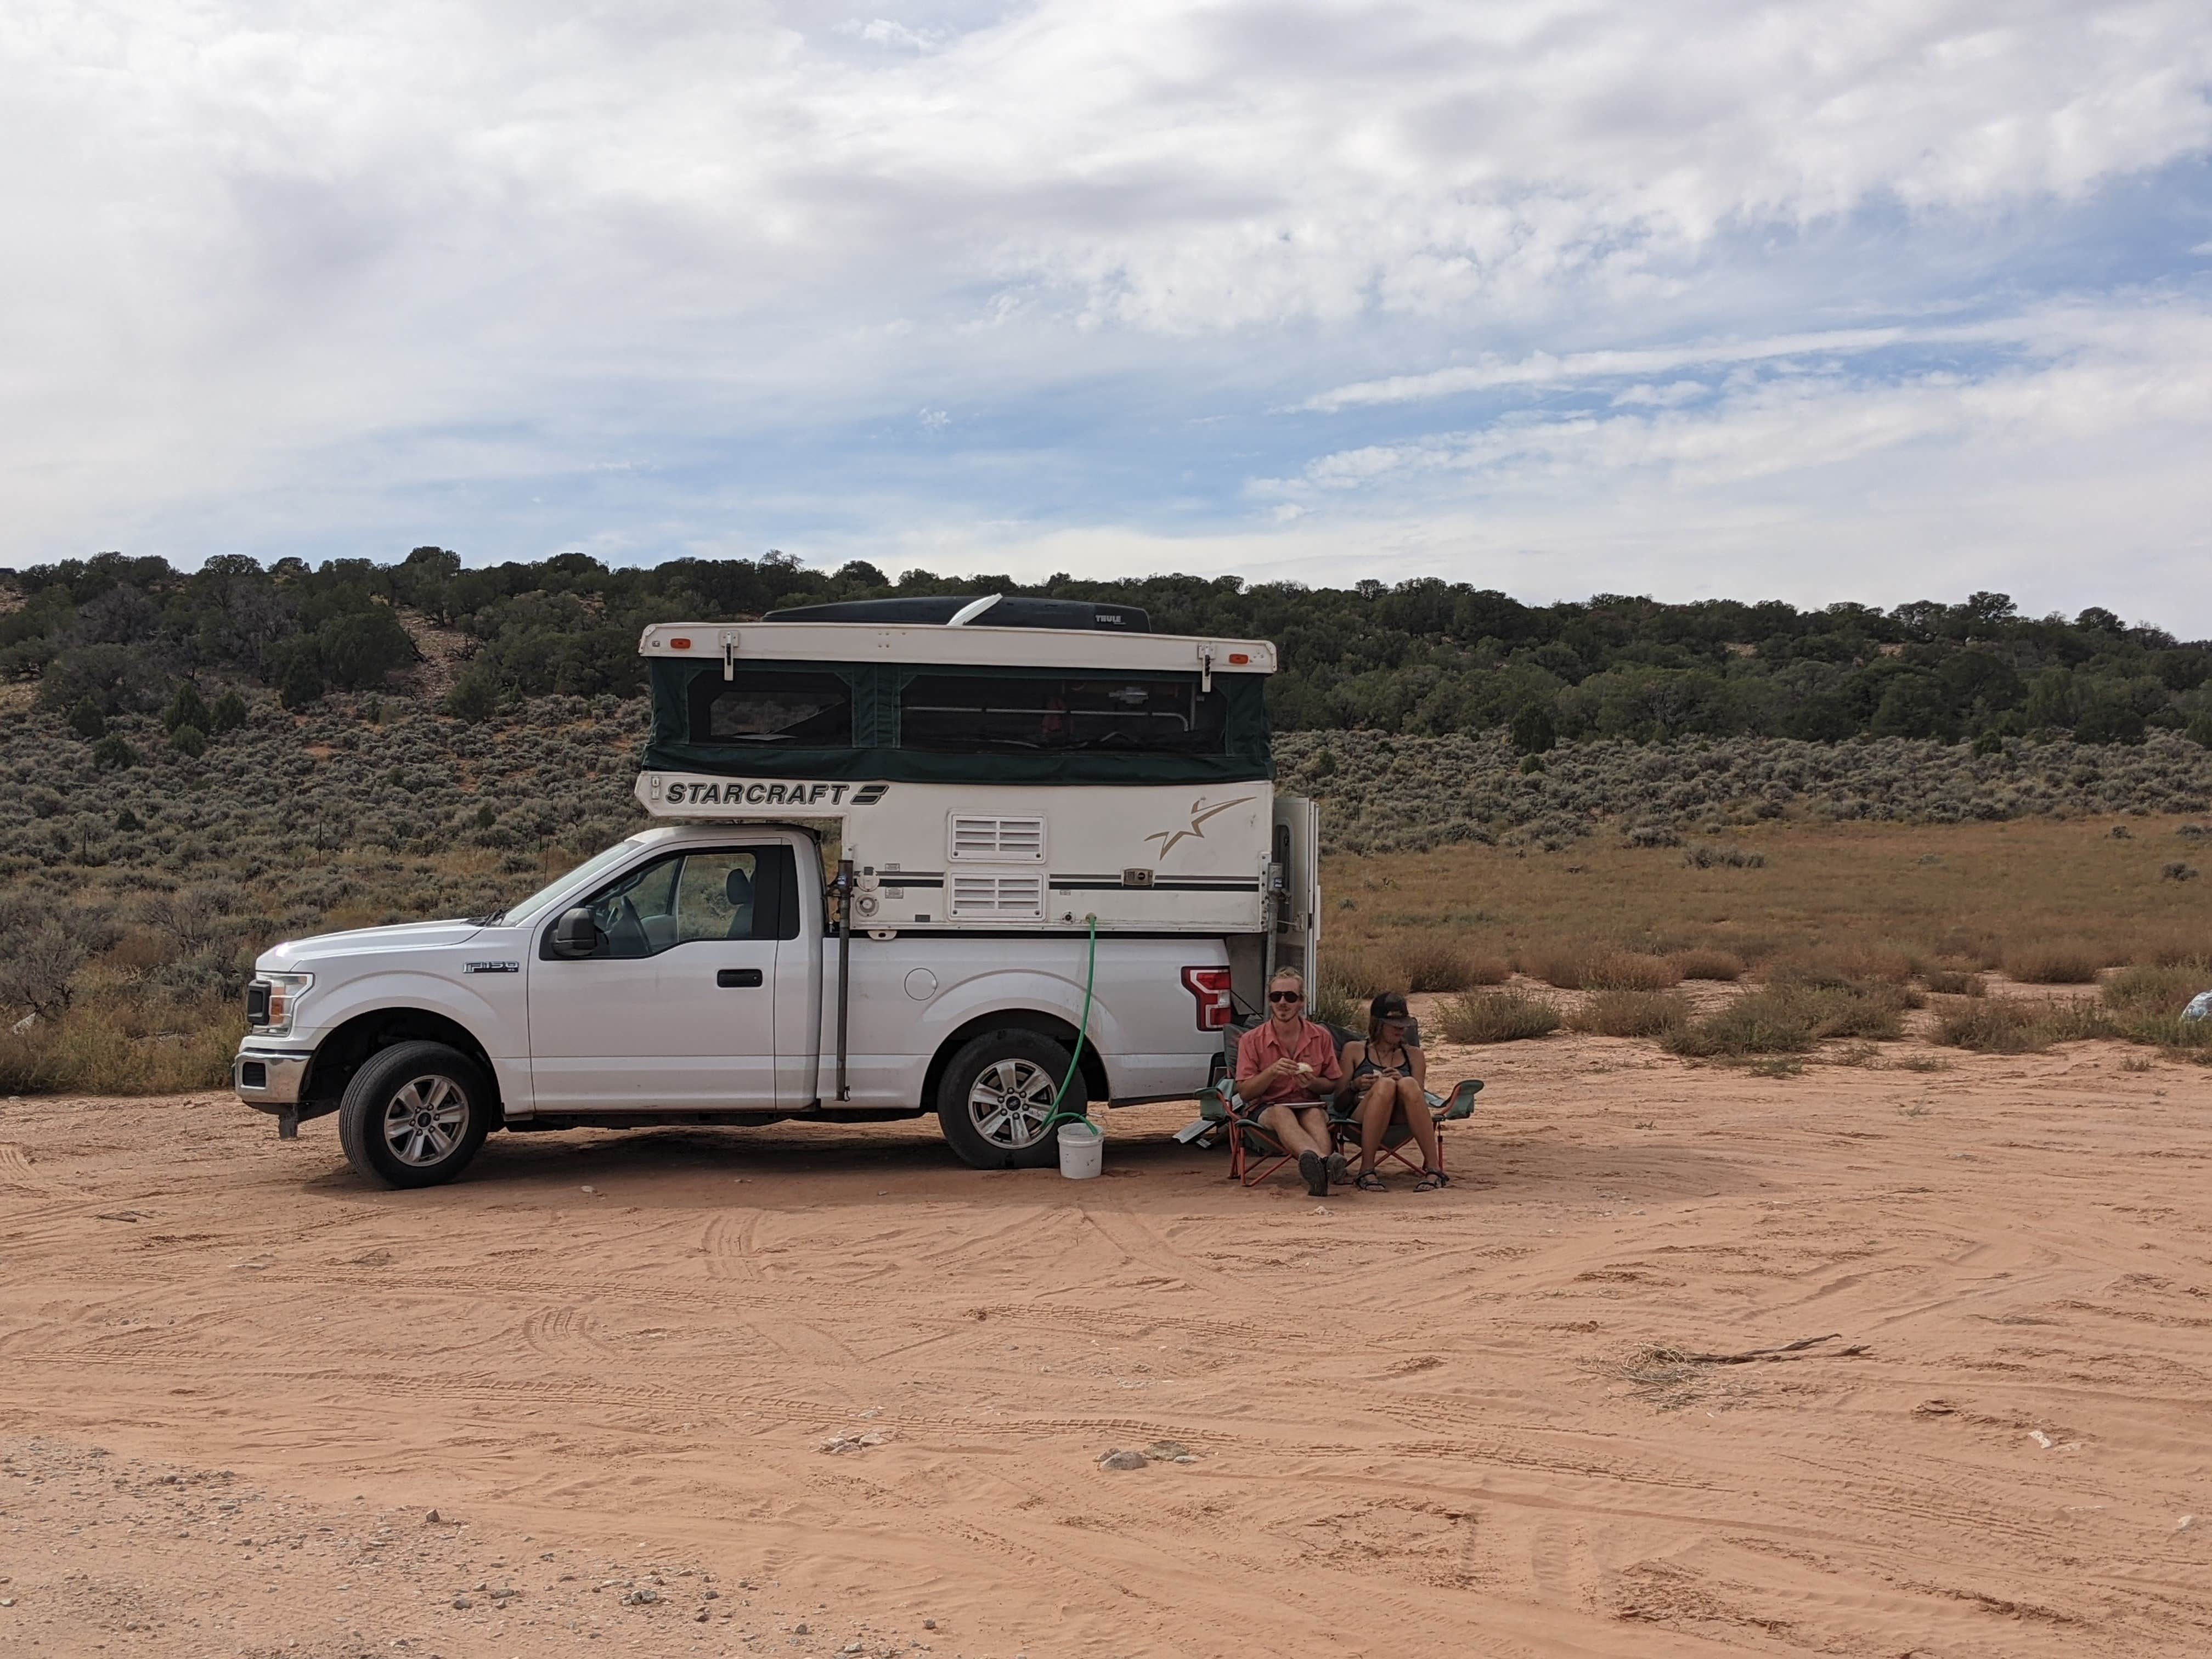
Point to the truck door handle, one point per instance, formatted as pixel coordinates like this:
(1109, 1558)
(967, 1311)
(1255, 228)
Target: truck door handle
(737, 979)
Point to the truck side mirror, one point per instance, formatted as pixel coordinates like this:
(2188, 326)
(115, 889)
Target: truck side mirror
(576, 935)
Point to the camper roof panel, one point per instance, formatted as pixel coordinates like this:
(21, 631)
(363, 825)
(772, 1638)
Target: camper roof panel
(905, 642)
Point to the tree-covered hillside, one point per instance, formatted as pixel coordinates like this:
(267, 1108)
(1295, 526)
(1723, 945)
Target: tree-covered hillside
(113, 635)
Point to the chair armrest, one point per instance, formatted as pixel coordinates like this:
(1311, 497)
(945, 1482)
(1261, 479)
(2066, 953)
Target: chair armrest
(1214, 1102)
(1461, 1103)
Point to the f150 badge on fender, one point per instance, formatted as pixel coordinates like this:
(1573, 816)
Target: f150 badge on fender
(1199, 813)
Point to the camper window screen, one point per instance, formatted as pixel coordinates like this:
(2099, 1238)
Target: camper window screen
(775, 708)
(1104, 715)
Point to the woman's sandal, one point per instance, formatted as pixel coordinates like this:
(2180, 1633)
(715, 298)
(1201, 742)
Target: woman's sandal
(1371, 1182)
(1431, 1180)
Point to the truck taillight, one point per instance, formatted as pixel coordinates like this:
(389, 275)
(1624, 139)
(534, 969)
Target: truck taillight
(1211, 986)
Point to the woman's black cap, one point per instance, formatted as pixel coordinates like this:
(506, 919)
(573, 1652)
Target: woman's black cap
(1388, 1005)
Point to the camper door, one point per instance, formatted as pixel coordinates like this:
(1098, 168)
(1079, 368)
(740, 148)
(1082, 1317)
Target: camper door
(1295, 856)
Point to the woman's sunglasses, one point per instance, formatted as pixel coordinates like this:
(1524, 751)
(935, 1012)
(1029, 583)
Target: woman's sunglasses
(1287, 996)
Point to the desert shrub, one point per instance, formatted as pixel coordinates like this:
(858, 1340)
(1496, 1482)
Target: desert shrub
(101, 1048)
(2153, 991)
(1724, 966)
(2070, 963)
(1556, 966)
(1955, 982)
(1654, 834)
(1497, 1017)
(1632, 1013)
(86, 719)
(1704, 856)
(1629, 970)
(1434, 962)
(2177, 870)
(39, 971)
(1354, 974)
(189, 741)
(2019, 1025)
(1789, 1016)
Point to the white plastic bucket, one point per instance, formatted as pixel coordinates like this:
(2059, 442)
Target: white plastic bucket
(1082, 1150)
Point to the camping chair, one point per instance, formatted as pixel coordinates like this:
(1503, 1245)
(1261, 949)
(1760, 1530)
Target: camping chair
(1255, 1154)
(1343, 1128)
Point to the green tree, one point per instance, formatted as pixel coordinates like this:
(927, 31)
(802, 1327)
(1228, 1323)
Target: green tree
(475, 694)
(1533, 730)
(186, 708)
(1913, 706)
(189, 740)
(229, 713)
(112, 753)
(87, 721)
(2107, 720)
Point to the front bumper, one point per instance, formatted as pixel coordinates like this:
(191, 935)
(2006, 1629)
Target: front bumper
(268, 1079)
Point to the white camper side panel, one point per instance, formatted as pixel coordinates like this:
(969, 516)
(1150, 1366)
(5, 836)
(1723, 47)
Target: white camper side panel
(1170, 858)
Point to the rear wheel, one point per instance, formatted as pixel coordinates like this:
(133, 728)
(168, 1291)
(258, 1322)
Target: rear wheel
(996, 1095)
(415, 1114)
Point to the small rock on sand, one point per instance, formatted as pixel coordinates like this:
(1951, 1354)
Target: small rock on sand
(1124, 1459)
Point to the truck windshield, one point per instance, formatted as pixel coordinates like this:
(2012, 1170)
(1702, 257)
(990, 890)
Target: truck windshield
(579, 877)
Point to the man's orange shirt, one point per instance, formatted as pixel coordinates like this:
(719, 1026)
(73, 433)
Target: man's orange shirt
(1259, 1049)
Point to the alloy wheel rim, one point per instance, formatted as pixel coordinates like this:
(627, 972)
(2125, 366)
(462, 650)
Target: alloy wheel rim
(1010, 1101)
(423, 1120)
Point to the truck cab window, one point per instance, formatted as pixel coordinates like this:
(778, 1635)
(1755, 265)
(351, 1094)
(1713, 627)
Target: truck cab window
(773, 707)
(679, 899)
(1115, 714)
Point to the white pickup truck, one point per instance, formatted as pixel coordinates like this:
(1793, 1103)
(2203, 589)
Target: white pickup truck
(688, 975)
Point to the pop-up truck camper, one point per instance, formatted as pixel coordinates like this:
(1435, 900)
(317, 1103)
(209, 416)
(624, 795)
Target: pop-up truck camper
(991, 859)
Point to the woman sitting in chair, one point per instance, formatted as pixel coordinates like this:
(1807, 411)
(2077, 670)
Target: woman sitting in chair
(1385, 1080)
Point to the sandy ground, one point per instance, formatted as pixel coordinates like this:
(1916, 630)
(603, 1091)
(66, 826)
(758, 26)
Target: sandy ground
(234, 1382)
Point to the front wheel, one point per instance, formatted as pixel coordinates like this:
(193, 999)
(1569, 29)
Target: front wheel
(415, 1114)
(996, 1096)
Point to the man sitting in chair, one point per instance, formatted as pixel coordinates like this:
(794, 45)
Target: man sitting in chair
(1286, 1069)
(1390, 1078)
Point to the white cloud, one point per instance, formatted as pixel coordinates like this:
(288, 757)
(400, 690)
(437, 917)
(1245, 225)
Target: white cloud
(289, 275)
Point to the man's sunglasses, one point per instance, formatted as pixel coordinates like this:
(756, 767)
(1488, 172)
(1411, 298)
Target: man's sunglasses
(1287, 996)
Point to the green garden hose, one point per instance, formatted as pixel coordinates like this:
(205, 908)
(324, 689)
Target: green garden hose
(1083, 1028)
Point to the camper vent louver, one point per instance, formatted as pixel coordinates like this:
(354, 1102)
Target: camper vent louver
(1012, 896)
(1003, 840)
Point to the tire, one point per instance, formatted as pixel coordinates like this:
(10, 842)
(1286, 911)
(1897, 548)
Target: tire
(415, 1114)
(986, 1072)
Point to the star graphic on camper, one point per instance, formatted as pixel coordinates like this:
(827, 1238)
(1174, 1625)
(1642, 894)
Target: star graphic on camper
(1199, 813)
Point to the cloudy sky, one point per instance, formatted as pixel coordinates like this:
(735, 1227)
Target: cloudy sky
(1688, 297)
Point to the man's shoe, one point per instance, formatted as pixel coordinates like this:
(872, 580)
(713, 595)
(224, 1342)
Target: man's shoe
(1339, 1171)
(1315, 1169)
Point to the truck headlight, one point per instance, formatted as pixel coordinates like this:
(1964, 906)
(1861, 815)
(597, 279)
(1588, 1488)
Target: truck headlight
(271, 999)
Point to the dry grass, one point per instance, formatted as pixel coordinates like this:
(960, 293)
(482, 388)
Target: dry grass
(1497, 1017)
(2019, 1025)
(1589, 970)
(107, 1048)
(2155, 991)
(1435, 962)
(1632, 1013)
(1955, 982)
(1722, 966)
(1791, 1015)
(2070, 962)
(1962, 896)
